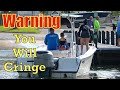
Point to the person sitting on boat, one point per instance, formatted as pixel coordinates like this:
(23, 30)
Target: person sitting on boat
(84, 34)
(62, 42)
(52, 40)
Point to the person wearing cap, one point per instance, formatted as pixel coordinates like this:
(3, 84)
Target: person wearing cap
(118, 32)
(52, 40)
(96, 29)
(84, 34)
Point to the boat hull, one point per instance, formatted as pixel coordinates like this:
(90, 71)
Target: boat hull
(83, 70)
(68, 68)
(82, 62)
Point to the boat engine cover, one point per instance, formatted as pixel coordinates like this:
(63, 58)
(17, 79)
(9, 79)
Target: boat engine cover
(44, 58)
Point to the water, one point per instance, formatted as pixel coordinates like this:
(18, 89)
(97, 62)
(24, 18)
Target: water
(105, 72)
(100, 72)
(96, 72)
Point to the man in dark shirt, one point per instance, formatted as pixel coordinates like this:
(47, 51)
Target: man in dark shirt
(90, 22)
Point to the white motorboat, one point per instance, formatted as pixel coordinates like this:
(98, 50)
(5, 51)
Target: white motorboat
(73, 67)
(66, 64)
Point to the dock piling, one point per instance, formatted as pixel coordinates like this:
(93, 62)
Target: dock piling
(103, 37)
(107, 37)
(112, 38)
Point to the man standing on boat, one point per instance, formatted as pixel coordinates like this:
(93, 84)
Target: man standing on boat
(52, 40)
(96, 29)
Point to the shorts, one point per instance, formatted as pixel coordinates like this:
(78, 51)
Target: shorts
(118, 35)
(85, 35)
(62, 47)
(96, 35)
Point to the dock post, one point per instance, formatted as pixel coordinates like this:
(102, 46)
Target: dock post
(116, 39)
(112, 38)
(99, 39)
(103, 37)
(107, 37)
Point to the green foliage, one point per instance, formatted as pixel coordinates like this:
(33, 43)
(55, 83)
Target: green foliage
(115, 13)
(19, 30)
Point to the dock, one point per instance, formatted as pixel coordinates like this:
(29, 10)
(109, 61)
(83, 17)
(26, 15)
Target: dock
(102, 46)
(107, 54)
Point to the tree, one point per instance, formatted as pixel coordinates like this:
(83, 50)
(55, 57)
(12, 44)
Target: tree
(115, 13)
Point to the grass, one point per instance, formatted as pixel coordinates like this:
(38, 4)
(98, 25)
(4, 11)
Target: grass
(19, 30)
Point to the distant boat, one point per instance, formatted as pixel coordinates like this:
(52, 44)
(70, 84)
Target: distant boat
(101, 14)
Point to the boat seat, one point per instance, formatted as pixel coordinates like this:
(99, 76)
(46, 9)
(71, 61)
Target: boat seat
(58, 53)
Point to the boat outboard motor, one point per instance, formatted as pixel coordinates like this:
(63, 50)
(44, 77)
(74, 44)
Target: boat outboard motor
(44, 58)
